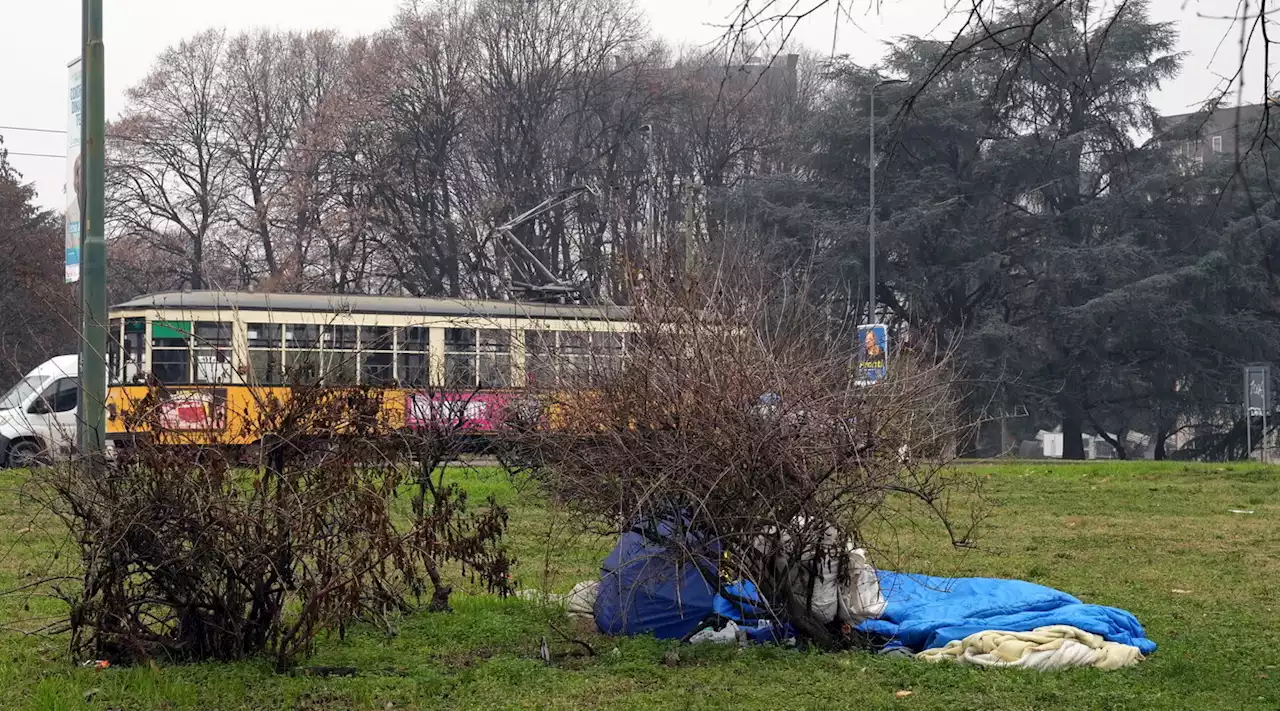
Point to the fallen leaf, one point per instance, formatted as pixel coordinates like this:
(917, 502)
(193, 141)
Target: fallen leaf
(1264, 676)
(25, 530)
(902, 694)
(88, 695)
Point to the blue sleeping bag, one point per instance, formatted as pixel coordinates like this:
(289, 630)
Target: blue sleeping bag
(925, 612)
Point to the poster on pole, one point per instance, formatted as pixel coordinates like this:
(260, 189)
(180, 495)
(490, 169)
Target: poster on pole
(1257, 390)
(873, 353)
(75, 182)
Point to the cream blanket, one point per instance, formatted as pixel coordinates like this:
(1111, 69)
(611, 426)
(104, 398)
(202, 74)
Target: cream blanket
(579, 602)
(1044, 648)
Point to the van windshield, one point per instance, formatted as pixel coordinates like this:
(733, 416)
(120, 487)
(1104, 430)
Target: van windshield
(19, 393)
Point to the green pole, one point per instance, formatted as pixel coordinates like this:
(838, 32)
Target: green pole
(93, 251)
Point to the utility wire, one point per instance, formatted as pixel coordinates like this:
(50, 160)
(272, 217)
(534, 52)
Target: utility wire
(32, 130)
(32, 155)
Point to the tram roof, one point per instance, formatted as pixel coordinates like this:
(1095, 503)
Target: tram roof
(349, 303)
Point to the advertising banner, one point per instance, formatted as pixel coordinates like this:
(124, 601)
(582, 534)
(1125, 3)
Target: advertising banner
(873, 353)
(75, 180)
(203, 410)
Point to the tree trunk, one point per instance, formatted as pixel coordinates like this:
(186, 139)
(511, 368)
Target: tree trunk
(1116, 442)
(1073, 437)
(1160, 453)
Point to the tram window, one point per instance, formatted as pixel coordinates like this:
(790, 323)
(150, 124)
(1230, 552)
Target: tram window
(266, 367)
(476, 358)
(342, 337)
(459, 339)
(575, 358)
(135, 350)
(212, 366)
(539, 358)
(171, 366)
(494, 341)
(375, 368)
(264, 335)
(339, 367)
(413, 370)
(114, 372)
(555, 358)
(171, 351)
(213, 334)
(266, 362)
(375, 338)
(611, 349)
(303, 366)
(301, 335)
(495, 370)
(170, 334)
(460, 358)
(414, 339)
(377, 357)
(212, 352)
(459, 371)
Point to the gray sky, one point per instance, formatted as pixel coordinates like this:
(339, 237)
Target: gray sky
(39, 37)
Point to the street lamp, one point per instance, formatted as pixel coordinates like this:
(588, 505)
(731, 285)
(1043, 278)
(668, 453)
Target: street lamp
(871, 221)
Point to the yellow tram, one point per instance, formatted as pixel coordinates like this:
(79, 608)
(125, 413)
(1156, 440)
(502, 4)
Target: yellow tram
(203, 361)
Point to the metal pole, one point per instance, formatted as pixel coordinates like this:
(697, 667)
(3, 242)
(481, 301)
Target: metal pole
(871, 220)
(93, 279)
(1264, 451)
(690, 190)
(1248, 430)
(871, 193)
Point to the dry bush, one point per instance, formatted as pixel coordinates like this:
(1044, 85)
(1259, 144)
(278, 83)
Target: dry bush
(738, 416)
(188, 556)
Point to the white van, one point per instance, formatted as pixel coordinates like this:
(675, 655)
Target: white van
(38, 415)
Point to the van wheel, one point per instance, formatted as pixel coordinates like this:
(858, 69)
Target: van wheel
(25, 454)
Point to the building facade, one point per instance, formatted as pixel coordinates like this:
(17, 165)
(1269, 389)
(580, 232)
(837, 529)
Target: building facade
(1201, 136)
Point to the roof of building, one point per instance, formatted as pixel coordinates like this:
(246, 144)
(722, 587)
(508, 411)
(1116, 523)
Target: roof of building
(1222, 117)
(349, 303)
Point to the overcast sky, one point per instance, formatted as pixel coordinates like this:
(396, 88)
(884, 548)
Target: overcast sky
(39, 37)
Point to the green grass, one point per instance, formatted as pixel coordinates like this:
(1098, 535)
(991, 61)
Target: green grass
(1123, 534)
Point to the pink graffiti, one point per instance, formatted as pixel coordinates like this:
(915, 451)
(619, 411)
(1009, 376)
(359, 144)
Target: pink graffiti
(469, 411)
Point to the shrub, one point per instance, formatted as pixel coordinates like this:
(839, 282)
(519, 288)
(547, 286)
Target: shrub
(741, 417)
(187, 556)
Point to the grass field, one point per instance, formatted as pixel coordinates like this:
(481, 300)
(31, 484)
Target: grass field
(1123, 534)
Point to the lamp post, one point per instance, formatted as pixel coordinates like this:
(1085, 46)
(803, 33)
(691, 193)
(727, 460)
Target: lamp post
(93, 275)
(871, 192)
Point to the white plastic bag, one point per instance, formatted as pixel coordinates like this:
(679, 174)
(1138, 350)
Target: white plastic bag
(858, 599)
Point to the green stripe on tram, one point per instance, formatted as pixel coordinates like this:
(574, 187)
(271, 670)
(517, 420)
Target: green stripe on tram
(171, 329)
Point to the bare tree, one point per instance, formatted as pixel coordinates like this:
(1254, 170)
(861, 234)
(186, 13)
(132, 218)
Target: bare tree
(414, 83)
(168, 179)
(539, 74)
(294, 161)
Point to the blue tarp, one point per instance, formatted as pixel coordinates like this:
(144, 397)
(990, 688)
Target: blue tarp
(645, 589)
(925, 612)
(742, 603)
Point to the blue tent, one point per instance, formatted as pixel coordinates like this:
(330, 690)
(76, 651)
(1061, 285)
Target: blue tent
(646, 588)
